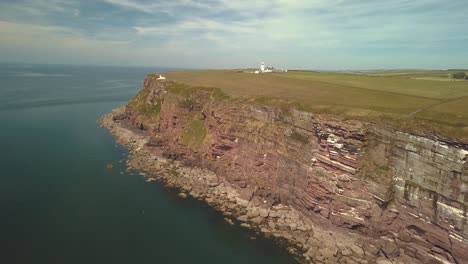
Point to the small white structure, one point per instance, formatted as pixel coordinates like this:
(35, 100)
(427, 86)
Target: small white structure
(161, 77)
(264, 69)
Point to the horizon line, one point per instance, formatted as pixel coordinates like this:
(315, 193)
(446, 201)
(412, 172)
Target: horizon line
(223, 68)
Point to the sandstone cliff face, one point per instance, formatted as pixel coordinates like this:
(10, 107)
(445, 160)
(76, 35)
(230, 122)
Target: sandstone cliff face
(402, 195)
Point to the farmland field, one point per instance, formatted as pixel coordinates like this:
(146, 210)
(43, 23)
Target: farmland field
(409, 98)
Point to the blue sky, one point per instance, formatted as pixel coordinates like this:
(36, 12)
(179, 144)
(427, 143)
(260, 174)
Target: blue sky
(313, 34)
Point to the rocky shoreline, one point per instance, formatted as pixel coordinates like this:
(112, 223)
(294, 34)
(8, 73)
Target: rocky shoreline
(334, 190)
(310, 242)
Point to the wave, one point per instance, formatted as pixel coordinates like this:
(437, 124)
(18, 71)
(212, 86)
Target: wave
(117, 84)
(61, 102)
(37, 74)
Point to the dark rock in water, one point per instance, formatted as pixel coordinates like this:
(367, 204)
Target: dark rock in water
(229, 221)
(245, 225)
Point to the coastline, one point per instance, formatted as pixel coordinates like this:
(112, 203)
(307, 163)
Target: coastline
(307, 241)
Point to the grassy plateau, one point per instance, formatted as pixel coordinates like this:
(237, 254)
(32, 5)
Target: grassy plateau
(415, 99)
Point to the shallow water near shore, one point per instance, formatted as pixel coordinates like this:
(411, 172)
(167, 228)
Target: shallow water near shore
(61, 203)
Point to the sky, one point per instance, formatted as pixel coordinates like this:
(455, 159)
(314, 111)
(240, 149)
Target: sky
(308, 34)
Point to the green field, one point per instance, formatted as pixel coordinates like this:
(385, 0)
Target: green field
(414, 99)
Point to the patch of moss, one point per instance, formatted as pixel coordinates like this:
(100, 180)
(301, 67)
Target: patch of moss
(194, 134)
(150, 108)
(186, 103)
(299, 137)
(139, 98)
(186, 90)
(179, 88)
(219, 94)
(140, 103)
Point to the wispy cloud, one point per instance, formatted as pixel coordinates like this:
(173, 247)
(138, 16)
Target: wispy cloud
(151, 7)
(206, 25)
(227, 33)
(43, 7)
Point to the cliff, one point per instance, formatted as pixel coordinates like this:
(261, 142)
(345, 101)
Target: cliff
(336, 191)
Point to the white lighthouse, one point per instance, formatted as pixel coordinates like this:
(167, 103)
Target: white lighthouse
(262, 67)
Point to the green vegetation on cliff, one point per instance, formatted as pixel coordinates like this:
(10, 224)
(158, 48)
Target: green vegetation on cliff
(187, 90)
(299, 137)
(150, 106)
(194, 134)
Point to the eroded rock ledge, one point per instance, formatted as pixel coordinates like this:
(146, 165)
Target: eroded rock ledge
(336, 191)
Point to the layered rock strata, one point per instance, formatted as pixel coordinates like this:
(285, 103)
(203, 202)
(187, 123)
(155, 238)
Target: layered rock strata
(337, 191)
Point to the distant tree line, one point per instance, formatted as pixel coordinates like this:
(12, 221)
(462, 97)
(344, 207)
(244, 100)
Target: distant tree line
(460, 75)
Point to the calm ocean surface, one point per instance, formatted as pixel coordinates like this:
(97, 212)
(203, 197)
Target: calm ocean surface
(60, 204)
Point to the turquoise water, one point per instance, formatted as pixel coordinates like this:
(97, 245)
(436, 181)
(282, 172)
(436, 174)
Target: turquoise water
(60, 204)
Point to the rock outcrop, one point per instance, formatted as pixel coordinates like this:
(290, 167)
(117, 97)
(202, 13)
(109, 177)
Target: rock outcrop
(336, 191)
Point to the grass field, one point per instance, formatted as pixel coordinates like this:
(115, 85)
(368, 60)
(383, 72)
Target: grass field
(408, 98)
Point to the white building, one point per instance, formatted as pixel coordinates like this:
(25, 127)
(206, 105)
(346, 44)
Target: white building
(264, 69)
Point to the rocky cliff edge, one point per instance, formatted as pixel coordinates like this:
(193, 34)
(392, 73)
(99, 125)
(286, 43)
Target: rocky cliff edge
(332, 190)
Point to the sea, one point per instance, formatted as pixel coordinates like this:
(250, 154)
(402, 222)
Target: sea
(62, 202)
